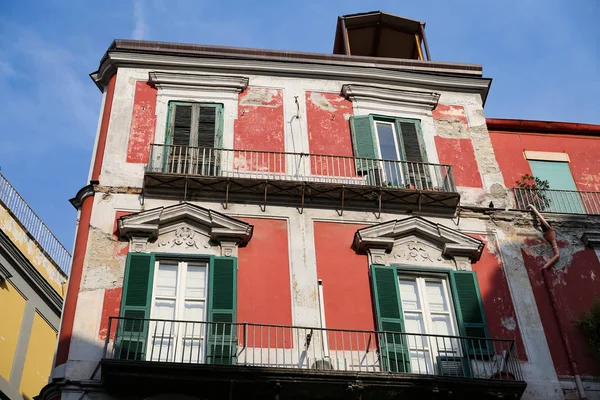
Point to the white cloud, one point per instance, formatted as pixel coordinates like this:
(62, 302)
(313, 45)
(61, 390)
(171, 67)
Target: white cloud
(139, 22)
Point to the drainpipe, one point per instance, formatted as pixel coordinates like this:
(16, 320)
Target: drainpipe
(550, 236)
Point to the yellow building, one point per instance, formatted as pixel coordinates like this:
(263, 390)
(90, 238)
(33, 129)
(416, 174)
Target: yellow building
(33, 275)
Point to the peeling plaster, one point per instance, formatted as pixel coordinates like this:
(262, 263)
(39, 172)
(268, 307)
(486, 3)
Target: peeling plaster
(509, 323)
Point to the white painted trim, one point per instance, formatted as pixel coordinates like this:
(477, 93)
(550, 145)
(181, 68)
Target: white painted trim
(418, 102)
(98, 128)
(165, 80)
(366, 73)
(546, 156)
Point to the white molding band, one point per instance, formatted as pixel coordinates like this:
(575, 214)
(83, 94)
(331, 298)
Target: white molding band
(420, 102)
(425, 78)
(168, 80)
(546, 156)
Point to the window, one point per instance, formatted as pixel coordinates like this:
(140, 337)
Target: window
(179, 293)
(173, 309)
(562, 196)
(194, 131)
(427, 309)
(390, 151)
(420, 315)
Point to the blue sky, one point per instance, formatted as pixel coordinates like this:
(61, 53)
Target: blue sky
(542, 54)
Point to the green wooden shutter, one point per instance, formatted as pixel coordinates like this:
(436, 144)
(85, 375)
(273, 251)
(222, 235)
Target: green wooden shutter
(181, 124)
(135, 303)
(469, 312)
(222, 310)
(414, 152)
(365, 147)
(386, 293)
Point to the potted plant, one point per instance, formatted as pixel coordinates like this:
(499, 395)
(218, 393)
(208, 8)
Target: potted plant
(535, 192)
(589, 325)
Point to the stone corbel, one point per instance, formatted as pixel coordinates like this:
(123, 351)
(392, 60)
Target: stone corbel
(462, 263)
(229, 248)
(591, 239)
(138, 244)
(377, 256)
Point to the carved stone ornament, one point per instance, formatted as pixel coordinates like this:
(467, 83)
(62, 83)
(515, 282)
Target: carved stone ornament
(184, 236)
(415, 251)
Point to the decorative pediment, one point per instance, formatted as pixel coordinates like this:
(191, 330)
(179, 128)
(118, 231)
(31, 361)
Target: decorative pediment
(417, 240)
(184, 226)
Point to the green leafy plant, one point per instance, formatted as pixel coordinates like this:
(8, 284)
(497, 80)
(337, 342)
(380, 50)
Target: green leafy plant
(589, 324)
(535, 191)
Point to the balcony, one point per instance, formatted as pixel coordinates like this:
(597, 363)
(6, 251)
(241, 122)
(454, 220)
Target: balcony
(299, 179)
(243, 360)
(34, 226)
(558, 201)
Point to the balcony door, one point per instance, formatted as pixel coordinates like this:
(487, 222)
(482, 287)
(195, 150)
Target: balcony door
(427, 308)
(563, 196)
(194, 133)
(390, 152)
(177, 332)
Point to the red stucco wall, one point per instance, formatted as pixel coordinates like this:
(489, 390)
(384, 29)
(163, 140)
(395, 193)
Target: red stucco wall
(574, 290)
(345, 276)
(495, 293)
(111, 307)
(143, 123)
(451, 113)
(264, 290)
(457, 152)
(327, 116)
(583, 154)
(460, 154)
(259, 126)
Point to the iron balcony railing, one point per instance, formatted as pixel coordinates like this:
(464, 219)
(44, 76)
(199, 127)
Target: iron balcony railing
(558, 201)
(277, 346)
(267, 165)
(34, 225)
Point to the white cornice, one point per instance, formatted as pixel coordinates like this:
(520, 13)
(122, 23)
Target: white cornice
(421, 79)
(451, 243)
(169, 80)
(423, 100)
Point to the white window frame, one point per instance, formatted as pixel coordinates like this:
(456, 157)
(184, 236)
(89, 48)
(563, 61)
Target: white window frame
(425, 348)
(398, 161)
(179, 333)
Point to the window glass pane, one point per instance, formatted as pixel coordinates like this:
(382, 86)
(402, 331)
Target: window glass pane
(166, 280)
(435, 296)
(195, 281)
(387, 145)
(409, 295)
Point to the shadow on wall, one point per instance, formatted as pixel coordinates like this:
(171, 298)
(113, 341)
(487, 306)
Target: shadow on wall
(497, 301)
(575, 282)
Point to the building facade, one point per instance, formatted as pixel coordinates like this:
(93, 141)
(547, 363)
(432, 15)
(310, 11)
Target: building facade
(297, 225)
(565, 155)
(33, 276)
